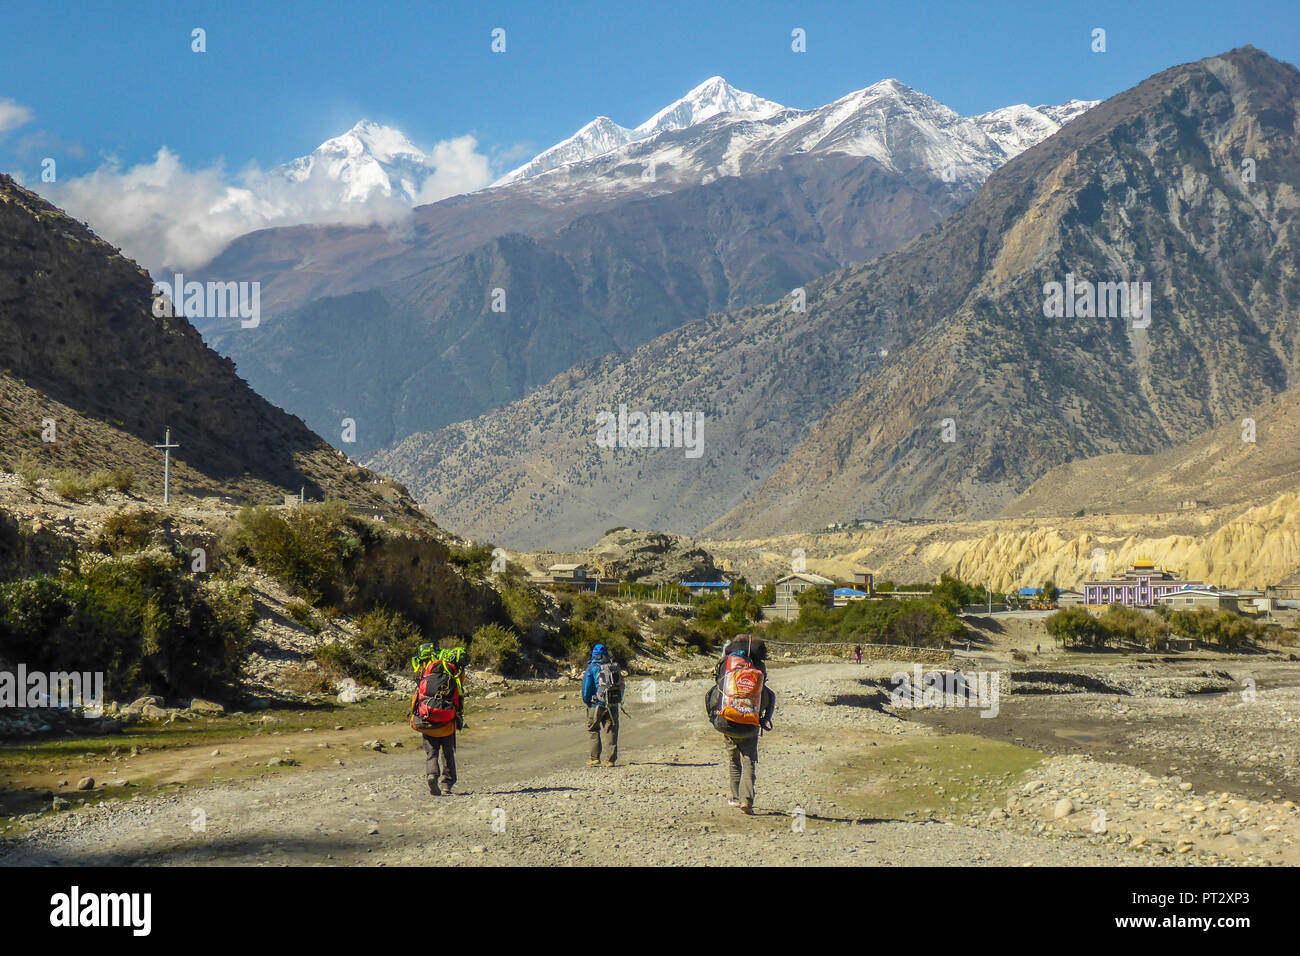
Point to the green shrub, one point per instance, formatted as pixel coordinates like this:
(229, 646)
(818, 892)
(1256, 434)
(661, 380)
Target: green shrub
(1136, 627)
(301, 612)
(1074, 626)
(522, 606)
(338, 660)
(308, 548)
(119, 479)
(125, 531)
(387, 639)
(475, 561)
(71, 486)
(592, 621)
(493, 647)
(142, 620)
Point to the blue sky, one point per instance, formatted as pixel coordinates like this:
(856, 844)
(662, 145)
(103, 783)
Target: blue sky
(119, 79)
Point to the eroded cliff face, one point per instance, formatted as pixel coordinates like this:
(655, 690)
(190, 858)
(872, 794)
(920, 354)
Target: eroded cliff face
(1254, 547)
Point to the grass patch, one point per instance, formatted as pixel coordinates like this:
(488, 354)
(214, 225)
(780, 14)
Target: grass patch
(943, 777)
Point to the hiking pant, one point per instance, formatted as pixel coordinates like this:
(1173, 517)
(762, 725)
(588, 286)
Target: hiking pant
(444, 747)
(742, 767)
(602, 722)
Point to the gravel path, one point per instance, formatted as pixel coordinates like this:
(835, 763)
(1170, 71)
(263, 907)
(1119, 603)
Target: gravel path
(526, 797)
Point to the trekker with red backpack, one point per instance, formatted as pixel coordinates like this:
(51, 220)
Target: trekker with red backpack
(740, 706)
(438, 711)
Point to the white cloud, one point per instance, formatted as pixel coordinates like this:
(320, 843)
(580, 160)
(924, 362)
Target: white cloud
(461, 169)
(165, 215)
(12, 115)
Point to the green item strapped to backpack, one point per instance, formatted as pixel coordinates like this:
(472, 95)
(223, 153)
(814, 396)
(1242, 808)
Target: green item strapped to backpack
(427, 653)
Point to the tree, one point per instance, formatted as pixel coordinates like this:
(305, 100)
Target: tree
(1075, 626)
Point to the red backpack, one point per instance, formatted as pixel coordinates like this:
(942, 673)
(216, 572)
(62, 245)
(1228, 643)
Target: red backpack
(437, 696)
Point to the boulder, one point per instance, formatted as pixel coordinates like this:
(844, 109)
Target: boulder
(138, 705)
(201, 706)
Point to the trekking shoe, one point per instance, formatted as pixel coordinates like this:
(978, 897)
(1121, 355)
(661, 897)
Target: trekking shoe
(734, 804)
(593, 763)
(610, 764)
(433, 786)
(747, 809)
(446, 788)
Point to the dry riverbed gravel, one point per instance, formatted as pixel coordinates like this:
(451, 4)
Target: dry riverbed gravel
(827, 796)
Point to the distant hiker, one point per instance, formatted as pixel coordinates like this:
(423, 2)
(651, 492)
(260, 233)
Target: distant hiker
(857, 652)
(602, 692)
(740, 707)
(438, 711)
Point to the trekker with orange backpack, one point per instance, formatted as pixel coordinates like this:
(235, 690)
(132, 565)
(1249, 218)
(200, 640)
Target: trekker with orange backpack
(438, 711)
(740, 706)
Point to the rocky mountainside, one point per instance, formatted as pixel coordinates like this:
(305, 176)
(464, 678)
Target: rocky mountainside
(91, 379)
(588, 250)
(1252, 458)
(842, 411)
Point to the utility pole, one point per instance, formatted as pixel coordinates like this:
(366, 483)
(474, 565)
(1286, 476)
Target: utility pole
(167, 447)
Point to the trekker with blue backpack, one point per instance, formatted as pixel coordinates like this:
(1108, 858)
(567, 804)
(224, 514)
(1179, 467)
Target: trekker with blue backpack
(602, 692)
(740, 706)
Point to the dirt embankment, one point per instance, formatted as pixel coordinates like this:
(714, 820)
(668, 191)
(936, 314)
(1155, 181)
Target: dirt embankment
(1234, 546)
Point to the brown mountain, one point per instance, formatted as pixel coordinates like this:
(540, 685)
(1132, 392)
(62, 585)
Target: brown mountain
(838, 412)
(1250, 459)
(399, 332)
(80, 346)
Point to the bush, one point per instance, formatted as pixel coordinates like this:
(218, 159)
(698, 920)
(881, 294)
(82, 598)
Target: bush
(71, 486)
(593, 621)
(1076, 627)
(126, 531)
(475, 561)
(142, 620)
(387, 639)
(522, 606)
(308, 547)
(119, 479)
(1224, 628)
(339, 661)
(924, 624)
(1127, 624)
(301, 612)
(671, 628)
(494, 648)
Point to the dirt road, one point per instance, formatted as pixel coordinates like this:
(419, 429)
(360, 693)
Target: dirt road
(838, 784)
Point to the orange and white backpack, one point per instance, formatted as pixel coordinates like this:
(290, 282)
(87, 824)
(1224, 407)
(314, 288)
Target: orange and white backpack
(742, 693)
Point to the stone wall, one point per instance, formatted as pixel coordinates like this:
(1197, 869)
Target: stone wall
(777, 650)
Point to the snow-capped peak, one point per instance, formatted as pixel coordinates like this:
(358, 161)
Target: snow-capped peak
(1016, 128)
(732, 132)
(369, 159)
(714, 97)
(384, 143)
(711, 98)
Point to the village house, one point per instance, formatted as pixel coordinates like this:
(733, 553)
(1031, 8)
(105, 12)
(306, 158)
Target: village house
(843, 596)
(788, 589)
(1192, 598)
